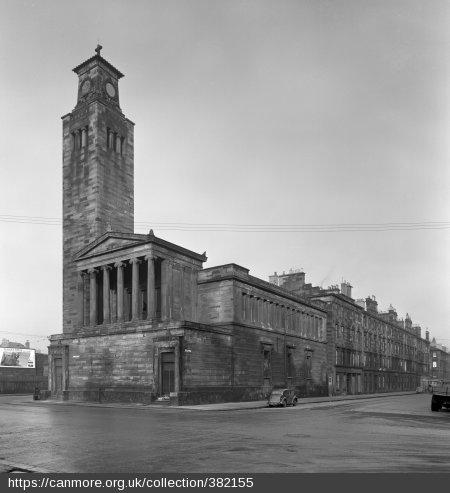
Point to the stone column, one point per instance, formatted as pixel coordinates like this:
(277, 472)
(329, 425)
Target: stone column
(170, 266)
(182, 294)
(194, 295)
(80, 298)
(163, 289)
(166, 278)
(119, 266)
(86, 298)
(93, 299)
(106, 302)
(150, 286)
(135, 289)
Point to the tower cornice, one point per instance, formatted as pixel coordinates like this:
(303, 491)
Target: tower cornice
(97, 60)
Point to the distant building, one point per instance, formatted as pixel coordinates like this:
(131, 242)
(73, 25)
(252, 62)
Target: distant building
(22, 369)
(440, 368)
(8, 343)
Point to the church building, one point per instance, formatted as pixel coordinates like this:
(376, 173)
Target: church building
(143, 320)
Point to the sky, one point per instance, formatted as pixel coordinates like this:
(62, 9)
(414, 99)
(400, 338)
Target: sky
(270, 117)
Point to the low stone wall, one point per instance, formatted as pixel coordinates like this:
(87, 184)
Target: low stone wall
(110, 394)
(312, 390)
(206, 395)
(213, 395)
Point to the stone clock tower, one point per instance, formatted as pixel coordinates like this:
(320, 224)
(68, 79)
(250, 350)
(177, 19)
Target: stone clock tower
(98, 170)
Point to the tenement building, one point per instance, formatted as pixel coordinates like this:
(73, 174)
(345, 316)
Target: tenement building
(367, 351)
(440, 361)
(143, 320)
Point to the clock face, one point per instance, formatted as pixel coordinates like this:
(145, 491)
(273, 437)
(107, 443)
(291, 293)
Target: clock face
(86, 87)
(110, 90)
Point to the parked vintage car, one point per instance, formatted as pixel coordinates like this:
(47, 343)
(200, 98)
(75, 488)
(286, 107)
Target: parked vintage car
(282, 397)
(441, 396)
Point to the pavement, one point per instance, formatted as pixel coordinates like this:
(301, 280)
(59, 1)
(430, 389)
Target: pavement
(231, 406)
(307, 402)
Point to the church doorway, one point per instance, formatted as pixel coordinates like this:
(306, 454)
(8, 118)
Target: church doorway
(167, 373)
(58, 376)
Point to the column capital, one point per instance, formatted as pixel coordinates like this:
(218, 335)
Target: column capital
(83, 273)
(92, 271)
(119, 264)
(106, 267)
(150, 256)
(134, 260)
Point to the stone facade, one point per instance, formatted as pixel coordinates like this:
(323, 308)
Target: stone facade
(278, 340)
(440, 361)
(368, 351)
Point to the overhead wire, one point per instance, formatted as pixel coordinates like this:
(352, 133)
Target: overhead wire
(253, 228)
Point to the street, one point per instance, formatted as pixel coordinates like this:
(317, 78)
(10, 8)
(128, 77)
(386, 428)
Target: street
(388, 434)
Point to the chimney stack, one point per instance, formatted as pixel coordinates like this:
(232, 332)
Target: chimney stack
(346, 289)
(371, 304)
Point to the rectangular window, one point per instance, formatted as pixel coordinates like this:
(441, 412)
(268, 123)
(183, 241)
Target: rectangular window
(308, 364)
(266, 364)
(289, 363)
(434, 364)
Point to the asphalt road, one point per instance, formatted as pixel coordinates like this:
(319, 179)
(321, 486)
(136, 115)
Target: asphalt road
(388, 434)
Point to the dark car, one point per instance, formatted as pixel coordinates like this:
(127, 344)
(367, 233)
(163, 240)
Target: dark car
(282, 397)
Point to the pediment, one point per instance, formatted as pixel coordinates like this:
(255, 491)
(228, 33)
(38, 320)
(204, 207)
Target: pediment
(111, 244)
(108, 243)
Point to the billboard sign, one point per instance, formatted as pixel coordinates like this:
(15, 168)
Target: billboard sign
(11, 357)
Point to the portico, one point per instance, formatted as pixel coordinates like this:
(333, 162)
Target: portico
(143, 278)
